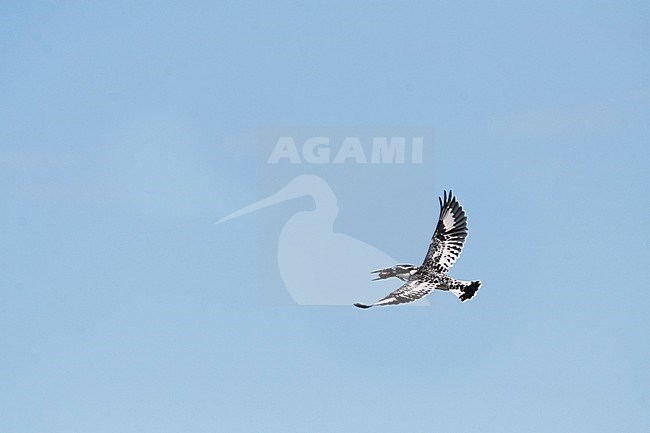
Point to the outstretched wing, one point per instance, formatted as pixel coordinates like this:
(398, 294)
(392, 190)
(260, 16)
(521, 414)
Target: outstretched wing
(449, 237)
(408, 292)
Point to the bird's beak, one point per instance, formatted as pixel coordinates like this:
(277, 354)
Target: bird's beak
(378, 277)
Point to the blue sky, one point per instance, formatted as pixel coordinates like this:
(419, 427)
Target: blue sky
(127, 130)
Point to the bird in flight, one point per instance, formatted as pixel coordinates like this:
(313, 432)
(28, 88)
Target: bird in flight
(445, 247)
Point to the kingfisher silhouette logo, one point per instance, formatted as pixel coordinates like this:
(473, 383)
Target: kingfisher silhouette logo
(306, 181)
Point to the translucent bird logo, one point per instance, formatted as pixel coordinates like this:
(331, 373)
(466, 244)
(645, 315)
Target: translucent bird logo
(318, 265)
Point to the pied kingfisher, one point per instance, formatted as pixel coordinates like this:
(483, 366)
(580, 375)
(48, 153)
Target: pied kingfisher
(445, 247)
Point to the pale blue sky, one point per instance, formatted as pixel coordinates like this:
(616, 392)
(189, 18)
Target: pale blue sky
(127, 130)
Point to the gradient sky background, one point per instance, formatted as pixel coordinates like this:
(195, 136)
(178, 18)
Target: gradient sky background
(127, 130)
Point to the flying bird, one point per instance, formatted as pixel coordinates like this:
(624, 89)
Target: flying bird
(445, 247)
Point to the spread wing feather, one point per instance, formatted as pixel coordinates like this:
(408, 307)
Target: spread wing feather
(449, 237)
(408, 292)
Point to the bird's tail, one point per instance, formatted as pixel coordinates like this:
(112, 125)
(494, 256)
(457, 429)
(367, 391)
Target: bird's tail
(465, 290)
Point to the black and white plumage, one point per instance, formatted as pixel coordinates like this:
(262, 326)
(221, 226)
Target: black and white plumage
(444, 249)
